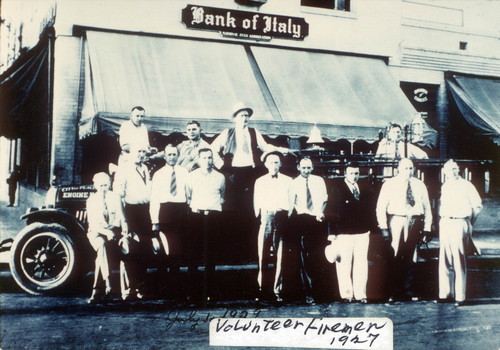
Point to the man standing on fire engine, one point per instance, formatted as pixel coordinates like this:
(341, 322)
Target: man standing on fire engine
(188, 149)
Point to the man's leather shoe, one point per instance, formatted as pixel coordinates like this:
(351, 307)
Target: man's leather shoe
(460, 303)
(346, 300)
(364, 301)
(443, 301)
(94, 298)
(310, 300)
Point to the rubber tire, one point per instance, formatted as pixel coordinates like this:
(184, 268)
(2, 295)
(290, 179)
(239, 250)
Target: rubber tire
(27, 239)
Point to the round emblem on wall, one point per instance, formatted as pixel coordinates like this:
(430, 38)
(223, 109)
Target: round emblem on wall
(420, 95)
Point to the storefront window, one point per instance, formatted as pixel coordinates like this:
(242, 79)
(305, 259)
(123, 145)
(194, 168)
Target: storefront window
(340, 5)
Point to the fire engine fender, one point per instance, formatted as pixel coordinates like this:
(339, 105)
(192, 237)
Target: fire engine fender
(65, 219)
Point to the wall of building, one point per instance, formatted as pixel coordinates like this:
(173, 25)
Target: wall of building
(420, 38)
(67, 90)
(370, 28)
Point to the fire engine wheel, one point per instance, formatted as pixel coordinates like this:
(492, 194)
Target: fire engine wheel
(43, 258)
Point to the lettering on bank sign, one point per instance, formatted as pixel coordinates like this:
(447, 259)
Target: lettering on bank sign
(243, 24)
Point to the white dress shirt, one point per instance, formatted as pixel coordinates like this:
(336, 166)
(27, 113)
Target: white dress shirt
(298, 196)
(133, 135)
(133, 184)
(458, 199)
(272, 194)
(205, 191)
(392, 201)
(240, 157)
(160, 189)
(392, 149)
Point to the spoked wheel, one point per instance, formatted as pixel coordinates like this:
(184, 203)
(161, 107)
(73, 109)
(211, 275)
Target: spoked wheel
(43, 258)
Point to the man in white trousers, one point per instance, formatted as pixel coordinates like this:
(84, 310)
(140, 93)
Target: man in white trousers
(460, 205)
(349, 217)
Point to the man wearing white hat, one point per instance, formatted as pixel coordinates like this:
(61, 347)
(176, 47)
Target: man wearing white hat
(240, 148)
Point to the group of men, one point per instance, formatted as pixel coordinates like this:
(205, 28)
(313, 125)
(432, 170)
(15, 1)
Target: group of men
(186, 199)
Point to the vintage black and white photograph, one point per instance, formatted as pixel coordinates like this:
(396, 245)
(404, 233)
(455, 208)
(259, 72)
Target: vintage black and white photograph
(254, 174)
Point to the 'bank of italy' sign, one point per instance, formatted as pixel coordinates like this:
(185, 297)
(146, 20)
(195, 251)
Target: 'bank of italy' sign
(243, 24)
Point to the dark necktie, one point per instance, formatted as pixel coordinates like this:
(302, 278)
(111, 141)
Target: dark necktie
(410, 199)
(309, 197)
(274, 176)
(355, 192)
(173, 183)
(142, 174)
(105, 209)
(244, 141)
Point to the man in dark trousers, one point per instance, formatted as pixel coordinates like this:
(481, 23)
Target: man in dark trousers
(350, 214)
(133, 184)
(168, 207)
(12, 181)
(404, 216)
(205, 189)
(272, 206)
(308, 198)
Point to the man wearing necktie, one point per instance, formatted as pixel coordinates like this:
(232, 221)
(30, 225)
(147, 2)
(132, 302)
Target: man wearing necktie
(168, 207)
(394, 147)
(240, 148)
(133, 184)
(272, 205)
(237, 151)
(105, 217)
(350, 214)
(403, 213)
(308, 198)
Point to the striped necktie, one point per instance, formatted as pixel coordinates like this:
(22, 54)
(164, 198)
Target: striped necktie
(310, 205)
(173, 183)
(355, 192)
(105, 209)
(410, 199)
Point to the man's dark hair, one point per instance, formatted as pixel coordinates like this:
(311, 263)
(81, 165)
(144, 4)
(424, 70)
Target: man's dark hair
(139, 108)
(351, 164)
(276, 153)
(300, 159)
(193, 122)
(394, 125)
(201, 150)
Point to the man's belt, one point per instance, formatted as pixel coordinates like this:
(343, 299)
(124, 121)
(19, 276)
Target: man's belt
(273, 212)
(455, 217)
(421, 216)
(204, 212)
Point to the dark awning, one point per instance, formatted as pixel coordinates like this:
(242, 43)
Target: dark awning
(24, 92)
(477, 100)
(178, 80)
